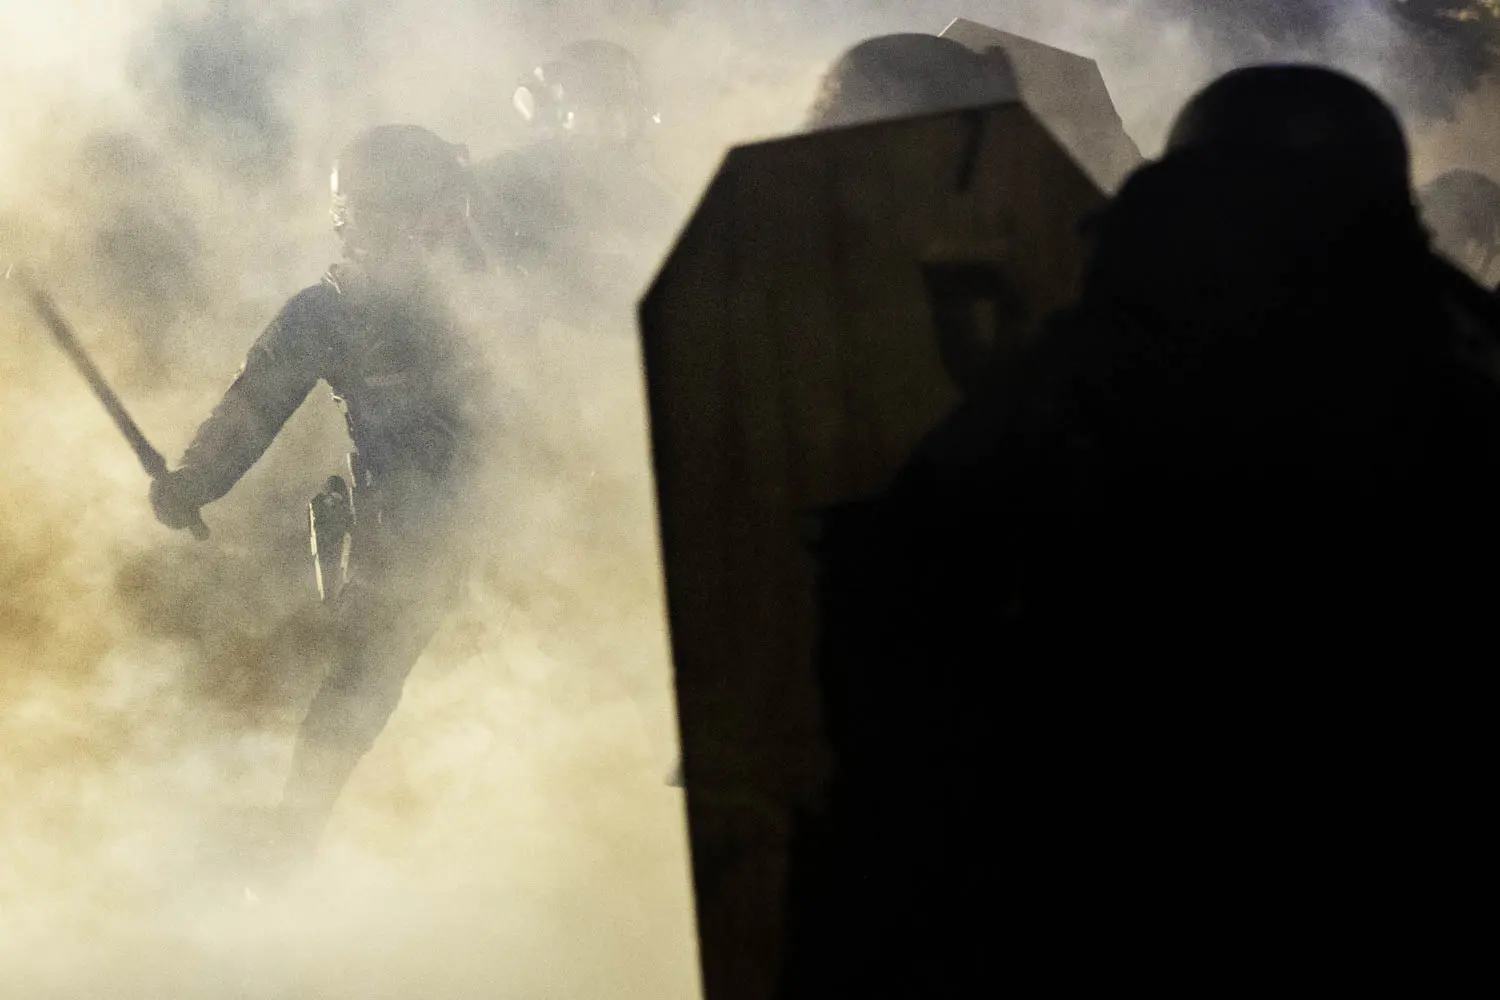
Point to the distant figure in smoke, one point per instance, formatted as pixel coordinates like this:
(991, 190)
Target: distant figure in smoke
(1156, 659)
(581, 208)
(1462, 210)
(581, 211)
(896, 76)
(380, 331)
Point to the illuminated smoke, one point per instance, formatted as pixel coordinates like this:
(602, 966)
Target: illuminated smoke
(164, 172)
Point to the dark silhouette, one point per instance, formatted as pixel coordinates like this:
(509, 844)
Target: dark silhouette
(1162, 655)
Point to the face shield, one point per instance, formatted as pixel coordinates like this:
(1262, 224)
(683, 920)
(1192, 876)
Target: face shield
(562, 99)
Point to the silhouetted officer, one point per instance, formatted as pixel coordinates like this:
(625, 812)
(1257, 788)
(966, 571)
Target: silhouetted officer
(1159, 658)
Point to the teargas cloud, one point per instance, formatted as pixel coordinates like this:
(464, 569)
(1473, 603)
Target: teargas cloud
(402, 719)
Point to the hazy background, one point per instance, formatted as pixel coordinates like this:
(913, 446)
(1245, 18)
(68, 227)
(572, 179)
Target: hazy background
(163, 169)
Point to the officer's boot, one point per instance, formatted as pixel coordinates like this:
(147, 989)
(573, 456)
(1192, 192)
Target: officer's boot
(318, 774)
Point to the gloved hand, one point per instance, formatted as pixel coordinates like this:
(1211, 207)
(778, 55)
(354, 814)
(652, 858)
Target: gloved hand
(174, 506)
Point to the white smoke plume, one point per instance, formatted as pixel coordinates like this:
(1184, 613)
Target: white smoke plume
(163, 170)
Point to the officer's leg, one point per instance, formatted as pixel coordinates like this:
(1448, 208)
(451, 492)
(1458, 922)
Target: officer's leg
(380, 640)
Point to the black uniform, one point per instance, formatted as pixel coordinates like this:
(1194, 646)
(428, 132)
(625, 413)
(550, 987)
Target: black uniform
(1157, 663)
(394, 359)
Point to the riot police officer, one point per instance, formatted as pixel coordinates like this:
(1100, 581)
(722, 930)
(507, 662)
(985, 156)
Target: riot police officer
(381, 331)
(581, 208)
(895, 76)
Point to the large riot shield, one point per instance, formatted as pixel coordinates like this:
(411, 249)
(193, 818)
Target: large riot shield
(1067, 92)
(816, 319)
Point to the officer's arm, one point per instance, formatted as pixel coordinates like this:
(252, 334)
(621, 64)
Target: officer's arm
(281, 369)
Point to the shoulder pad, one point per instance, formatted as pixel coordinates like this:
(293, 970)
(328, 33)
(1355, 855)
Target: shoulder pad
(312, 306)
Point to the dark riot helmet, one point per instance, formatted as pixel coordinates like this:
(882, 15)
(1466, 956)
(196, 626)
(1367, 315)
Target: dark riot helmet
(594, 89)
(397, 185)
(1461, 209)
(1303, 111)
(896, 76)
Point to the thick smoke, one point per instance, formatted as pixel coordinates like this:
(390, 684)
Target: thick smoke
(216, 75)
(511, 833)
(1429, 54)
(164, 168)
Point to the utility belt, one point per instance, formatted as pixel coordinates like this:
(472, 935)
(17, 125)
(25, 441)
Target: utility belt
(333, 521)
(370, 529)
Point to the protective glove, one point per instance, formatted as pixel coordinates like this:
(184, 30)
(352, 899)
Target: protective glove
(174, 506)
